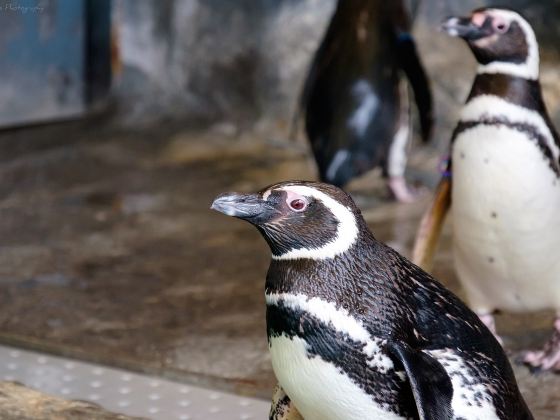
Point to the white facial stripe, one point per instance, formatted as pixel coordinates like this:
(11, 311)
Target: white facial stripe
(471, 399)
(346, 233)
(530, 68)
(488, 106)
(340, 320)
(266, 194)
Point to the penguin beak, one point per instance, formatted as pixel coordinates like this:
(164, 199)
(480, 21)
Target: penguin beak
(463, 27)
(250, 207)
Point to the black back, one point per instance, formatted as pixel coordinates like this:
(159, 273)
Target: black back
(365, 47)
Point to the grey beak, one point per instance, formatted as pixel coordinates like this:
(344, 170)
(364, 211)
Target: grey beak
(250, 207)
(463, 27)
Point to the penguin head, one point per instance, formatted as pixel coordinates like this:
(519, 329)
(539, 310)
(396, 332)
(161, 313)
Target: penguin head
(501, 40)
(298, 219)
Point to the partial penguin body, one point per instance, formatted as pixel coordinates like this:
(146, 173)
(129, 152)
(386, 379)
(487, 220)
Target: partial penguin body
(322, 352)
(506, 196)
(505, 174)
(506, 186)
(356, 108)
(358, 332)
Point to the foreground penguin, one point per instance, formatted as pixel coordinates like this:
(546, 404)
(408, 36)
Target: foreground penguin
(356, 110)
(504, 180)
(358, 332)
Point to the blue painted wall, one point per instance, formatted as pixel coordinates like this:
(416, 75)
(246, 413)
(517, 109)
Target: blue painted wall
(42, 60)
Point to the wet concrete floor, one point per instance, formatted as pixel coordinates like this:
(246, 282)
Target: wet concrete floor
(109, 252)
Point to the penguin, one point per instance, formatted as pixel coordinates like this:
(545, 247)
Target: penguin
(356, 108)
(503, 181)
(358, 332)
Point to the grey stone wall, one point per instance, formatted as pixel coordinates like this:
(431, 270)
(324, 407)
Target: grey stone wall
(243, 61)
(214, 59)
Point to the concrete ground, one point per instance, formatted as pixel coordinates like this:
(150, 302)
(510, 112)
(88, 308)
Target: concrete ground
(110, 253)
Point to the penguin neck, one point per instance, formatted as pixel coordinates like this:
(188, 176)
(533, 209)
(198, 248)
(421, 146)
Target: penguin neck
(514, 89)
(323, 276)
(528, 70)
(361, 283)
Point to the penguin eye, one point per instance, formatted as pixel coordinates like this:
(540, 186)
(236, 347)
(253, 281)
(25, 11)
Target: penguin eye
(501, 26)
(298, 204)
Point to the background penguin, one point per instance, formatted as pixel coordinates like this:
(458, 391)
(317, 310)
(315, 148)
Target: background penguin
(505, 180)
(356, 113)
(358, 332)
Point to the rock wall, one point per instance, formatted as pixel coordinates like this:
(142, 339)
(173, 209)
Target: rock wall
(243, 61)
(212, 59)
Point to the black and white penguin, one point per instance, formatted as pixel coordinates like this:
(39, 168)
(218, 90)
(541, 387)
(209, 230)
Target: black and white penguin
(358, 332)
(505, 178)
(356, 109)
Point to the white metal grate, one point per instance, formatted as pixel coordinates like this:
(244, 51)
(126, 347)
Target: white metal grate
(124, 392)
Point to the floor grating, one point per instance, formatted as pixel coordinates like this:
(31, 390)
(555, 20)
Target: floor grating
(124, 392)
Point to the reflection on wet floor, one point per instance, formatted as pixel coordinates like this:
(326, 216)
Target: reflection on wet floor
(110, 254)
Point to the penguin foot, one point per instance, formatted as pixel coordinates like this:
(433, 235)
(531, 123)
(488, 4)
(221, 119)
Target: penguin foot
(490, 322)
(401, 191)
(282, 407)
(549, 357)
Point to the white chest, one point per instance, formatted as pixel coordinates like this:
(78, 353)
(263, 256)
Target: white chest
(320, 390)
(506, 220)
(313, 376)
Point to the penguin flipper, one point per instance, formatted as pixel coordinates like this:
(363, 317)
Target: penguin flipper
(410, 63)
(431, 386)
(282, 407)
(431, 225)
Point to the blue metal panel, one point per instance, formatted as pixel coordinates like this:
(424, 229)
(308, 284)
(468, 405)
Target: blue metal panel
(42, 60)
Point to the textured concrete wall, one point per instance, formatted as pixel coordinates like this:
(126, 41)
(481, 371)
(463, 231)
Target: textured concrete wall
(214, 59)
(243, 61)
